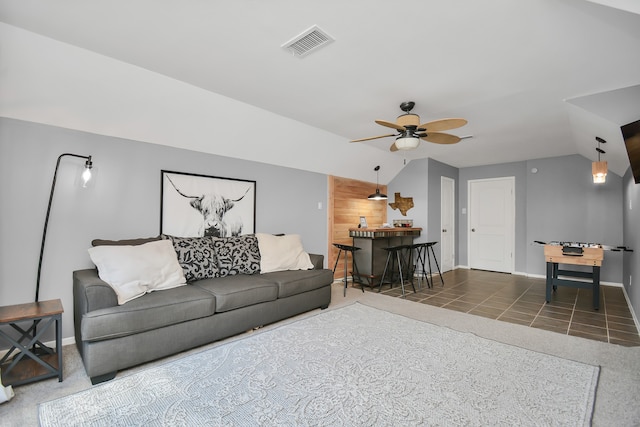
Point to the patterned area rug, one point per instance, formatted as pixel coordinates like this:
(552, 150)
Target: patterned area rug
(353, 366)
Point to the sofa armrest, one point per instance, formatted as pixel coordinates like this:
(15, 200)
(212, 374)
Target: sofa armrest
(89, 293)
(317, 260)
(92, 293)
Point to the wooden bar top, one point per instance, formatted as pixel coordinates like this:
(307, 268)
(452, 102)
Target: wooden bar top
(30, 310)
(372, 233)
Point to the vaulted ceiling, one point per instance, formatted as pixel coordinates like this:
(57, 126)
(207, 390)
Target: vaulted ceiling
(534, 78)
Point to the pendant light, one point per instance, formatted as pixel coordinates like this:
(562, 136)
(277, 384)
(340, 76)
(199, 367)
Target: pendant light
(377, 195)
(599, 169)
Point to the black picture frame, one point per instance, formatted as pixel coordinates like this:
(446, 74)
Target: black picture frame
(193, 205)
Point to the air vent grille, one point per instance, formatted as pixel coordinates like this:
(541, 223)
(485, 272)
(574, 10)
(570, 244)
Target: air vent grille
(307, 42)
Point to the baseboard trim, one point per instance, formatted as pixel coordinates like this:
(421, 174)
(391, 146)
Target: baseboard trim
(633, 313)
(578, 279)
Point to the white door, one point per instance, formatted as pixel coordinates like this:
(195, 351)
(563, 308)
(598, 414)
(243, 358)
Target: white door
(491, 227)
(447, 223)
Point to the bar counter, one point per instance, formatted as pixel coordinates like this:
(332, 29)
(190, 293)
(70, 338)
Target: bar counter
(372, 241)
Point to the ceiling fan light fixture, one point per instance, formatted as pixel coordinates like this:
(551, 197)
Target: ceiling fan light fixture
(407, 142)
(411, 131)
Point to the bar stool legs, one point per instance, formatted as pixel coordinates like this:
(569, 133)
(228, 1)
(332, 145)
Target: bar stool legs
(424, 252)
(420, 249)
(347, 249)
(430, 245)
(395, 252)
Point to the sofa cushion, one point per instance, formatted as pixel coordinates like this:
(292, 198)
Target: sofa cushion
(296, 282)
(237, 255)
(155, 310)
(237, 291)
(196, 256)
(284, 252)
(133, 271)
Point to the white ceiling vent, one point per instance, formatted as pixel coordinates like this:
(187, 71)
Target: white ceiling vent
(307, 42)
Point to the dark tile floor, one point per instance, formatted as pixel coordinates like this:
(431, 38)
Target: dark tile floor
(519, 299)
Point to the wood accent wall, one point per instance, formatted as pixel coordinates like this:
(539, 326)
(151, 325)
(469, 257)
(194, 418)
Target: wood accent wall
(347, 203)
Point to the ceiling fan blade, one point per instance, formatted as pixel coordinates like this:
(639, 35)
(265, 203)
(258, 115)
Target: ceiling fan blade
(393, 147)
(440, 138)
(390, 124)
(372, 137)
(443, 124)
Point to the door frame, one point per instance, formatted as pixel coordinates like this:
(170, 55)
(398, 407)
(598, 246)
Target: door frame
(444, 179)
(512, 217)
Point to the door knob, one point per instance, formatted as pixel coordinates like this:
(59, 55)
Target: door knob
(444, 230)
(473, 229)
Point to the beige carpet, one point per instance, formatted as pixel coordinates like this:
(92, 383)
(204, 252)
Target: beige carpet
(619, 383)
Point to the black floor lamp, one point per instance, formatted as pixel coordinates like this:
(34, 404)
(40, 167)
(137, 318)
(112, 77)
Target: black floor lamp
(86, 176)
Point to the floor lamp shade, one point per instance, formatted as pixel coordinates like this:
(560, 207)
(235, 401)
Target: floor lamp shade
(86, 176)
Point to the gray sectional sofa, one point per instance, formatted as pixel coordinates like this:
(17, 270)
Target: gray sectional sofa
(112, 336)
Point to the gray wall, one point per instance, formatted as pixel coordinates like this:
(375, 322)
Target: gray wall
(559, 202)
(420, 179)
(631, 215)
(564, 204)
(411, 182)
(123, 202)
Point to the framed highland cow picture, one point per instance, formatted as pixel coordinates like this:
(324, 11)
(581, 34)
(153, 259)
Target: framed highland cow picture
(199, 205)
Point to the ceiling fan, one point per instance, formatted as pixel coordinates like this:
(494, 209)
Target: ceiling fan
(410, 131)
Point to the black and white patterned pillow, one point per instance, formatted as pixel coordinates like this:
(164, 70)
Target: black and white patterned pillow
(196, 257)
(237, 255)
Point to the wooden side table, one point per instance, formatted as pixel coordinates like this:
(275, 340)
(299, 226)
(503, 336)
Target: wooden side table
(33, 361)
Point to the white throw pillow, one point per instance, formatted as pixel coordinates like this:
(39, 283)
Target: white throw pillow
(279, 253)
(133, 271)
(6, 393)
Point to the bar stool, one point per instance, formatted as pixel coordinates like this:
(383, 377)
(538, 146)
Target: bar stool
(394, 254)
(429, 246)
(420, 250)
(352, 250)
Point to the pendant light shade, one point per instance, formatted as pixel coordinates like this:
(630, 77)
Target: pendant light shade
(599, 171)
(377, 195)
(599, 168)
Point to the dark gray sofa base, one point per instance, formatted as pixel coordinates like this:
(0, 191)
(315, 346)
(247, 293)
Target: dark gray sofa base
(102, 358)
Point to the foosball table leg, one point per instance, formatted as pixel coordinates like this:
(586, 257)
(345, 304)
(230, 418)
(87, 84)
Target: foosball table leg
(596, 287)
(550, 280)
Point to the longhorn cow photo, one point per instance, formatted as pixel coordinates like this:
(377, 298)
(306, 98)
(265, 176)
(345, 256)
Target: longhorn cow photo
(198, 205)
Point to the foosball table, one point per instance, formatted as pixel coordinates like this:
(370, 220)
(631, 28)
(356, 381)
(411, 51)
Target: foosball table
(579, 254)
